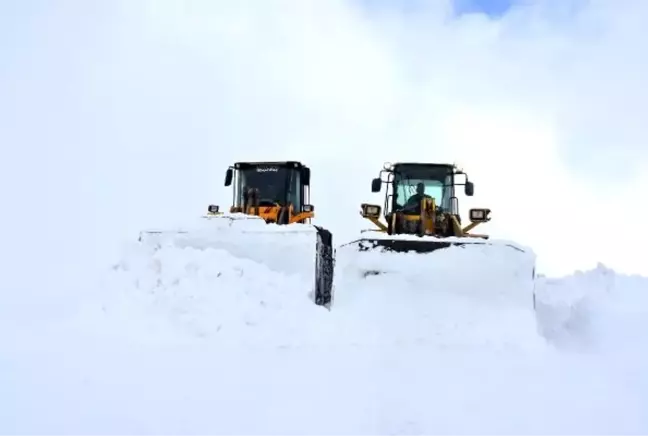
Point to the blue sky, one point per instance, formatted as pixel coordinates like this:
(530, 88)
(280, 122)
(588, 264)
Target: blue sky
(489, 7)
(493, 8)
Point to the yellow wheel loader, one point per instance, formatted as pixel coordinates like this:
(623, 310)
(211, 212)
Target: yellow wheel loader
(269, 221)
(419, 239)
(277, 192)
(421, 210)
(421, 258)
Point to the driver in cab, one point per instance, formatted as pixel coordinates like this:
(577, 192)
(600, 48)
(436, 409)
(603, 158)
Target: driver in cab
(414, 202)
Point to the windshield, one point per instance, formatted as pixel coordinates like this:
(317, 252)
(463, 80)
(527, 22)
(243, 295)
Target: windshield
(406, 188)
(272, 183)
(437, 183)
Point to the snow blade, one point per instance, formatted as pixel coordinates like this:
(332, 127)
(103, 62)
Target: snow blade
(420, 245)
(487, 271)
(408, 244)
(324, 266)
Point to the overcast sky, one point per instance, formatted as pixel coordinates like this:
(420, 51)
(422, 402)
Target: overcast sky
(124, 114)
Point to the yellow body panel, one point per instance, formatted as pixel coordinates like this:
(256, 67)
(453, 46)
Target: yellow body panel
(428, 216)
(271, 213)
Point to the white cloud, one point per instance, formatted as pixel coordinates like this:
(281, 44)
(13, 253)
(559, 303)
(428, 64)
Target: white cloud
(129, 113)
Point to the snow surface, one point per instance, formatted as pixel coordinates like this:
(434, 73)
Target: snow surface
(214, 331)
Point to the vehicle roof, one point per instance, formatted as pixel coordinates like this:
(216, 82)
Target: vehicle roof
(283, 164)
(423, 164)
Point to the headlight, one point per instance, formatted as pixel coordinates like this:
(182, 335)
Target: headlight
(479, 215)
(212, 208)
(308, 208)
(370, 210)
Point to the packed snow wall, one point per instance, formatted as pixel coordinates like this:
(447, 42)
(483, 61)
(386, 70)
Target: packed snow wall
(297, 249)
(251, 270)
(287, 249)
(598, 310)
(479, 295)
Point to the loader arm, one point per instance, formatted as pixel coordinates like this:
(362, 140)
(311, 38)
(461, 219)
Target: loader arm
(470, 226)
(377, 223)
(300, 217)
(372, 213)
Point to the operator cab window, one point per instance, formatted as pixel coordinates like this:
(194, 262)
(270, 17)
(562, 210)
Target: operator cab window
(275, 184)
(405, 188)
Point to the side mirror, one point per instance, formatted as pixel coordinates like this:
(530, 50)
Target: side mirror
(228, 177)
(469, 189)
(306, 176)
(376, 184)
(308, 208)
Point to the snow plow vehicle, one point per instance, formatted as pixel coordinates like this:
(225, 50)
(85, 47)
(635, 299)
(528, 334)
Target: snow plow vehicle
(422, 219)
(269, 222)
(420, 201)
(277, 192)
(421, 204)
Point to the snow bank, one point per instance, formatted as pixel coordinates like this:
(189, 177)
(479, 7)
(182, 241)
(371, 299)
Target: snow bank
(475, 296)
(494, 273)
(231, 280)
(211, 294)
(594, 310)
(216, 284)
(196, 334)
(289, 249)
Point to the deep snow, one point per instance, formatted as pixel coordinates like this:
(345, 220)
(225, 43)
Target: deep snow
(212, 332)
